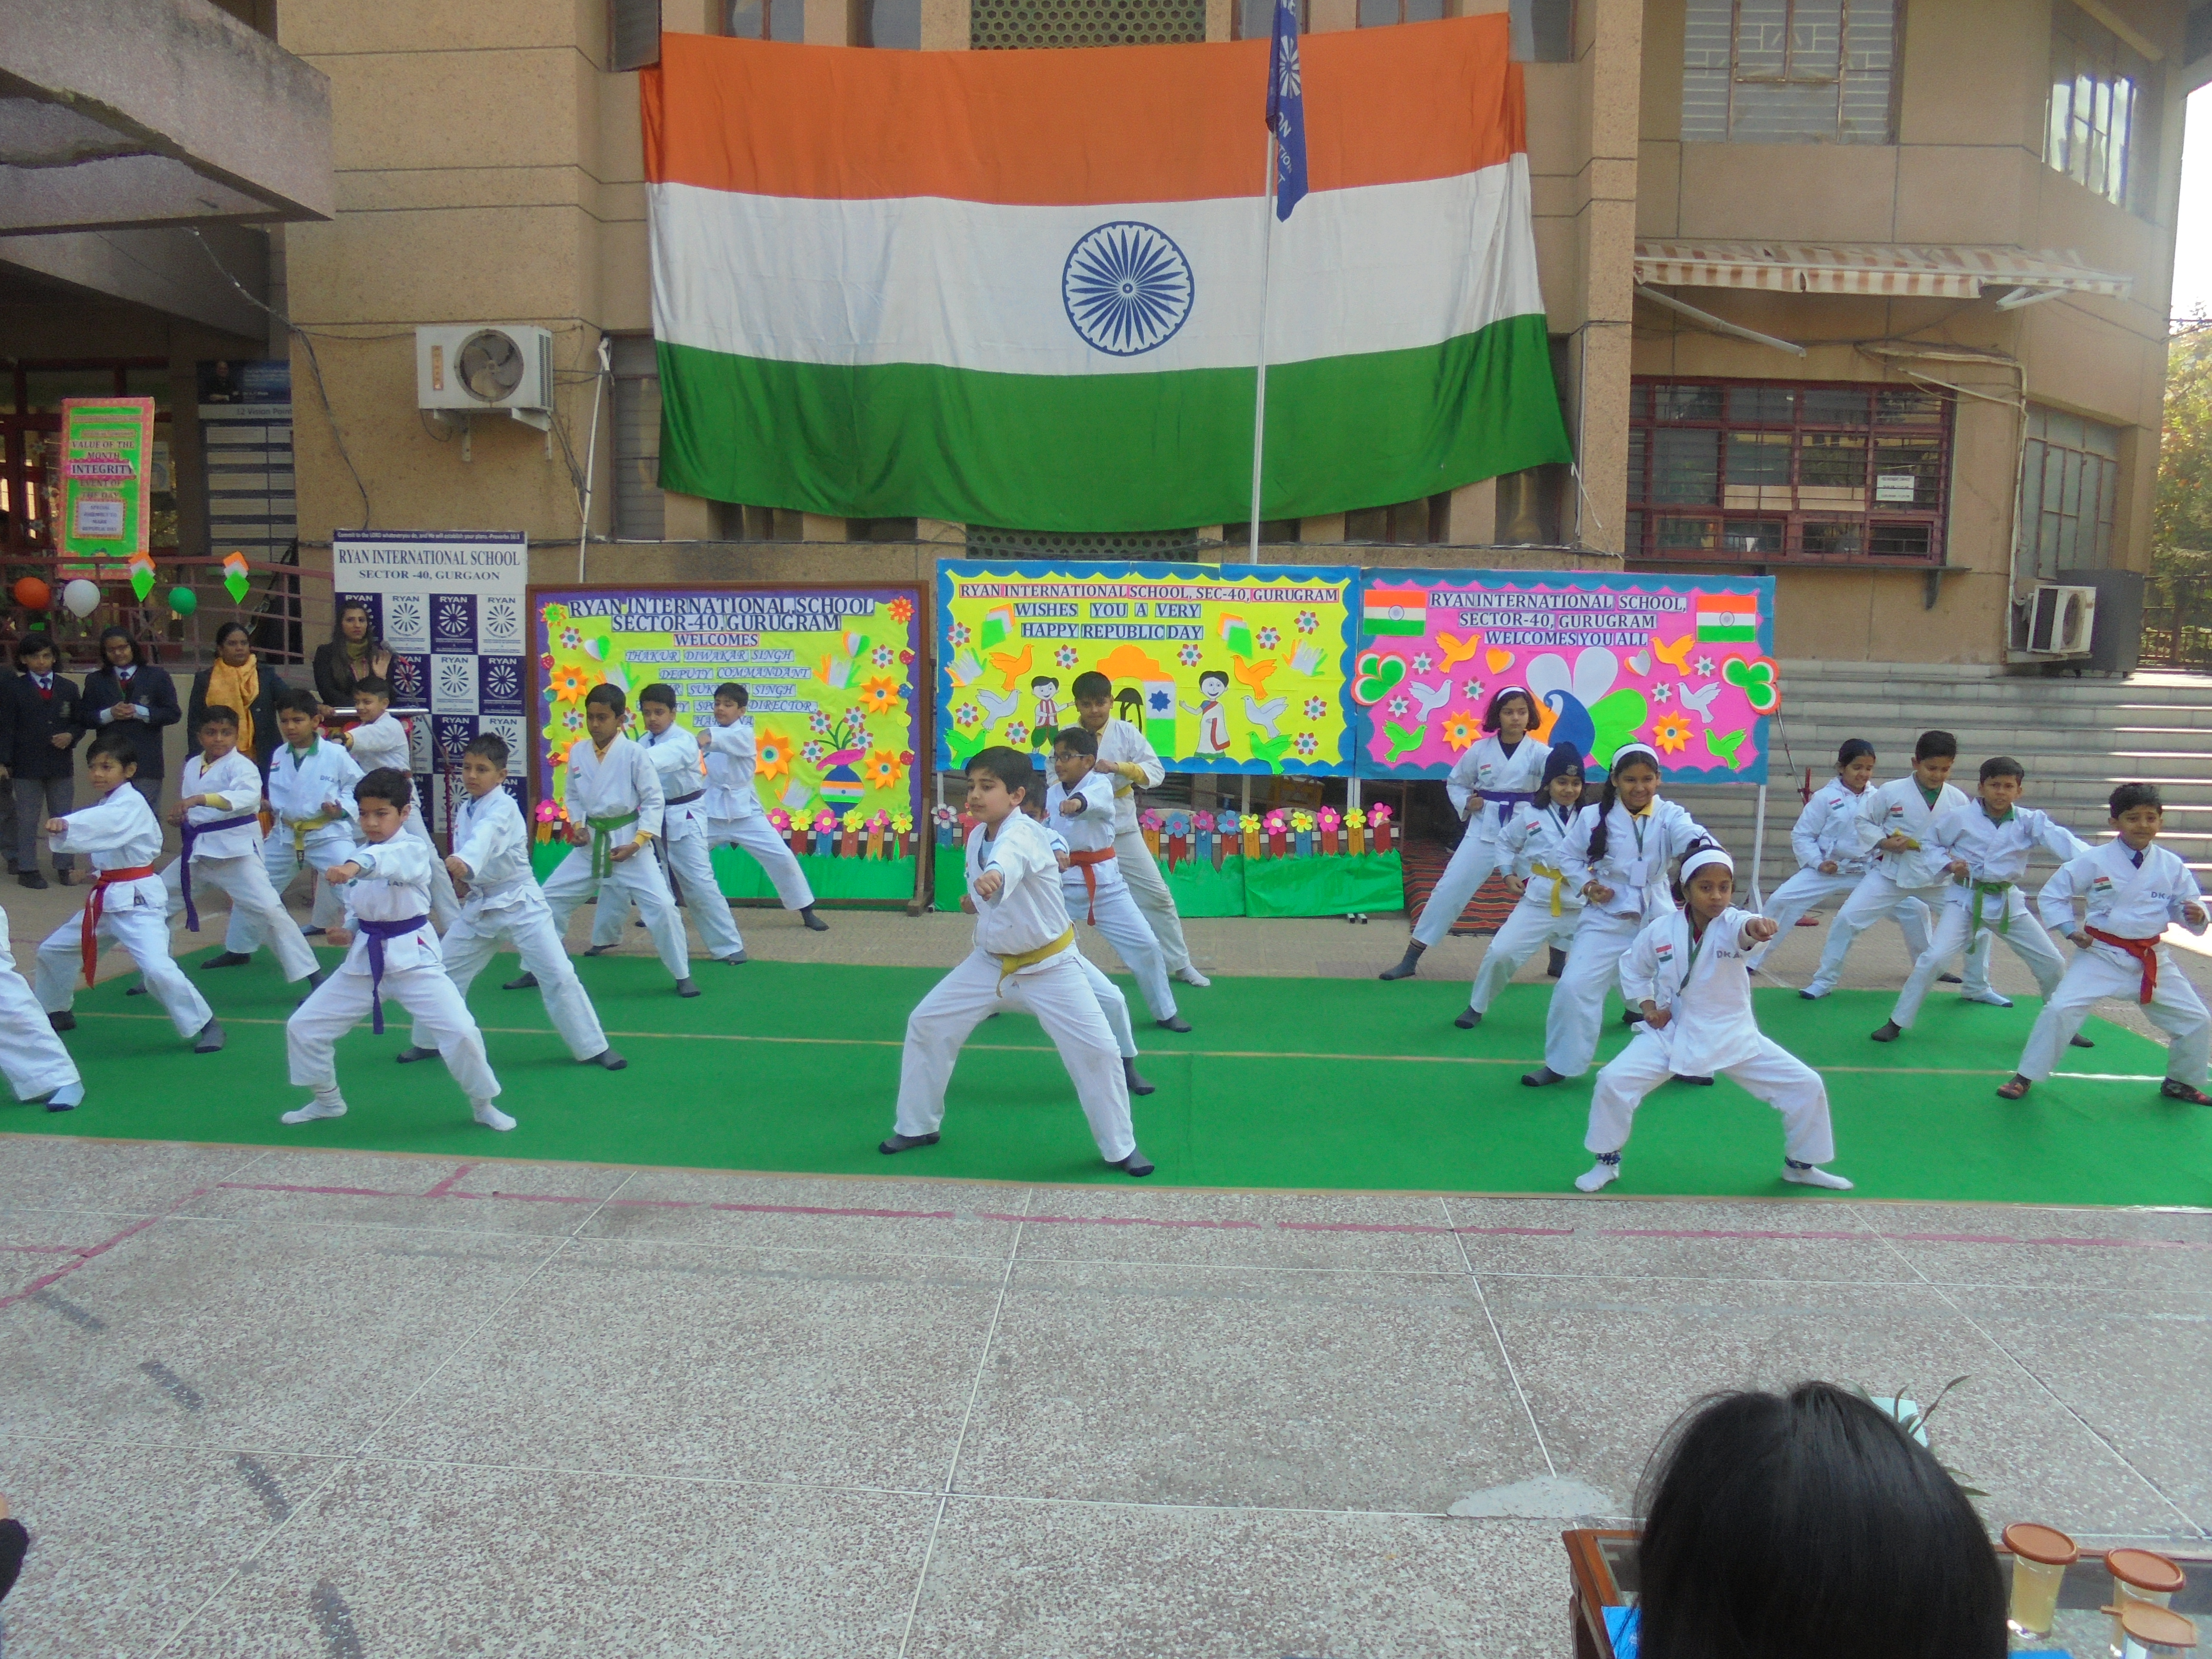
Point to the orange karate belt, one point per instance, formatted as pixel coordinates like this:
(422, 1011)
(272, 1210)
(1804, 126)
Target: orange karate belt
(2144, 950)
(96, 907)
(1089, 863)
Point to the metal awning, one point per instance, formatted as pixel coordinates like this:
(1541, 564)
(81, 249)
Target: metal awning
(1872, 268)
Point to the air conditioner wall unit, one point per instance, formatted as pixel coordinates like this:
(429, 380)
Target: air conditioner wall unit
(485, 368)
(2061, 620)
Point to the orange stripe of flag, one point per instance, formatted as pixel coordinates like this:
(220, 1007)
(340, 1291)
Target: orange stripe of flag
(1099, 124)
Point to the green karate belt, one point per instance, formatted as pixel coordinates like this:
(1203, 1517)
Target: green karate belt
(1994, 890)
(603, 830)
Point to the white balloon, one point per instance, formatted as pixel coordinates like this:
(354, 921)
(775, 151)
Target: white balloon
(82, 597)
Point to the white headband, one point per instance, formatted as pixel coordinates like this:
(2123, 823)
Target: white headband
(1704, 856)
(1626, 749)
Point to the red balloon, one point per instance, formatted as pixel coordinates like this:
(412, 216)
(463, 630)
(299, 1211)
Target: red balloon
(32, 595)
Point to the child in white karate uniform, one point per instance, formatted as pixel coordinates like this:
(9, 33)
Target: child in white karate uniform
(1533, 849)
(2132, 889)
(1111, 1002)
(1617, 856)
(1987, 845)
(39, 1070)
(1128, 757)
(1899, 819)
(390, 951)
(1689, 971)
(491, 853)
(734, 817)
(1501, 772)
(675, 756)
(1833, 843)
(310, 790)
(1024, 959)
(379, 740)
(127, 906)
(614, 803)
(1079, 804)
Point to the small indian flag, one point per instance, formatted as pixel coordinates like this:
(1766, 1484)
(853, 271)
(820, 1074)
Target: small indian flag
(997, 625)
(1394, 610)
(1727, 618)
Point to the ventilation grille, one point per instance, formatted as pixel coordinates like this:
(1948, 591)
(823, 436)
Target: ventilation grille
(1049, 543)
(998, 24)
(633, 35)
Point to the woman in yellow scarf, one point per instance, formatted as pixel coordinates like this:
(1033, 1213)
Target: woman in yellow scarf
(235, 680)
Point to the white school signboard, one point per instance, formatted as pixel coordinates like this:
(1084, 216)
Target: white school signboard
(449, 604)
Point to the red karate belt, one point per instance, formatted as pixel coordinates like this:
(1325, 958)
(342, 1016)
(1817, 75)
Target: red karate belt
(1089, 863)
(2144, 950)
(94, 907)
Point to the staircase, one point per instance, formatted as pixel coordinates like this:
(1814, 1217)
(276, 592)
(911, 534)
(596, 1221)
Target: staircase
(2076, 737)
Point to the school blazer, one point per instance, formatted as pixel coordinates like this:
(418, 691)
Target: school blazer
(29, 723)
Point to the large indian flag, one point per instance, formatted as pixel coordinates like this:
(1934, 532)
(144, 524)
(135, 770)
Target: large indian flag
(1024, 288)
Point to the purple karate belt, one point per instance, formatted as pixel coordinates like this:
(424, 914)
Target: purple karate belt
(376, 933)
(192, 833)
(1506, 800)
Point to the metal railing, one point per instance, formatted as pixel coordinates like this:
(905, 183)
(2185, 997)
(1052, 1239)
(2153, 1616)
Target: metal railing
(2177, 622)
(287, 608)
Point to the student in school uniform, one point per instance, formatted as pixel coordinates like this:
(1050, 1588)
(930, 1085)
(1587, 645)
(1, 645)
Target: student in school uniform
(1688, 971)
(1617, 856)
(491, 855)
(1111, 1002)
(1024, 959)
(39, 1070)
(1900, 816)
(614, 803)
(2131, 889)
(130, 693)
(127, 905)
(1987, 845)
(378, 741)
(1501, 772)
(733, 805)
(219, 811)
(390, 951)
(1125, 756)
(1079, 804)
(676, 758)
(1532, 850)
(40, 724)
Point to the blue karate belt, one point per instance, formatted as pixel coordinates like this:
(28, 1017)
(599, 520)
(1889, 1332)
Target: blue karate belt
(376, 933)
(1506, 800)
(192, 833)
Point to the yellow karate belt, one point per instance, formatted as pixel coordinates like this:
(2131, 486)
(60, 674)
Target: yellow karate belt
(1996, 889)
(1558, 880)
(1008, 966)
(603, 848)
(303, 827)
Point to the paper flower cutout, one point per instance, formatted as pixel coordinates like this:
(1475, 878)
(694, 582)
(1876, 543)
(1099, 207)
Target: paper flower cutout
(780, 821)
(1268, 638)
(1306, 745)
(1705, 667)
(811, 753)
(548, 812)
(772, 754)
(1329, 818)
(1422, 662)
(959, 635)
(1379, 813)
(1065, 656)
(1670, 734)
(1018, 733)
(967, 717)
(1308, 622)
(855, 820)
(883, 656)
(1354, 818)
(570, 684)
(880, 695)
(1202, 821)
(882, 769)
(945, 818)
(1275, 822)
(825, 821)
(902, 611)
(1229, 824)
(1178, 823)
(1303, 823)
(1187, 655)
(1148, 820)
(1460, 729)
(1663, 692)
(1315, 708)
(901, 824)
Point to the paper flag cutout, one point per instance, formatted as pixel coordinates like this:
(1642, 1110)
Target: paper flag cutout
(235, 580)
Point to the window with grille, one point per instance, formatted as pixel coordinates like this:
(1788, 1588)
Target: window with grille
(1762, 473)
(637, 512)
(772, 20)
(984, 539)
(1016, 23)
(2101, 125)
(2069, 482)
(1784, 71)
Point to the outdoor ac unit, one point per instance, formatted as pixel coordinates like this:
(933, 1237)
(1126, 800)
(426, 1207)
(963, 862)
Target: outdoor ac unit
(483, 368)
(2060, 620)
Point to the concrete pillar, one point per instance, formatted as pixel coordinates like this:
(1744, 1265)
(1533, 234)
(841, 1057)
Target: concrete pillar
(1328, 528)
(1610, 50)
(833, 22)
(942, 531)
(1471, 519)
(686, 518)
(1220, 19)
(1323, 16)
(945, 25)
(819, 528)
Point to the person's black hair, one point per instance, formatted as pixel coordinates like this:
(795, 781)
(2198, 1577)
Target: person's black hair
(1036, 680)
(1089, 683)
(297, 699)
(372, 640)
(376, 684)
(1206, 674)
(2129, 796)
(663, 694)
(118, 746)
(2002, 766)
(1608, 795)
(216, 713)
(230, 627)
(1934, 745)
(388, 784)
(610, 695)
(489, 745)
(137, 651)
(734, 692)
(1853, 748)
(33, 642)
(1703, 844)
(1810, 1526)
(1497, 701)
(1075, 740)
(1010, 767)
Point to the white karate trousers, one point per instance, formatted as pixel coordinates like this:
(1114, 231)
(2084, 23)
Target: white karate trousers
(245, 879)
(757, 836)
(1576, 1015)
(1057, 993)
(1471, 864)
(32, 1057)
(342, 1002)
(1808, 889)
(2022, 932)
(1774, 1075)
(281, 864)
(1126, 931)
(1140, 873)
(702, 899)
(475, 934)
(1875, 896)
(135, 920)
(1532, 924)
(637, 880)
(2099, 972)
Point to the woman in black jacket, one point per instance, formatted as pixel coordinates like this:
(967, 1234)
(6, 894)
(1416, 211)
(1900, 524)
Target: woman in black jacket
(235, 666)
(354, 653)
(129, 693)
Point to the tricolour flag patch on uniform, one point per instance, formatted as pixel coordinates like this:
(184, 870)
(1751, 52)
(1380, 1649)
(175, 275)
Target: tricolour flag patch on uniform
(1728, 619)
(1394, 611)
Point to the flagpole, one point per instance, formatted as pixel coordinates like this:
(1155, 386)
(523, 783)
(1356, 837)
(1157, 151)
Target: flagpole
(1259, 388)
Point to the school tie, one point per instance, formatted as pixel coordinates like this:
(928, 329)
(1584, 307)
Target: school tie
(2135, 859)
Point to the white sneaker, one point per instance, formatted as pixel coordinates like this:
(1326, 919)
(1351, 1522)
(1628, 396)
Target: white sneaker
(1597, 1176)
(1189, 975)
(1988, 997)
(491, 1117)
(314, 1110)
(1816, 1177)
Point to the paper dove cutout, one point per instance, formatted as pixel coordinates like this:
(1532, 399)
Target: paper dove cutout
(1254, 674)
(998, 707)
(1676, 655)
(1264, 715)
(1402, 741)
(1431, 697)
(1458, 651)
(1698, 700)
